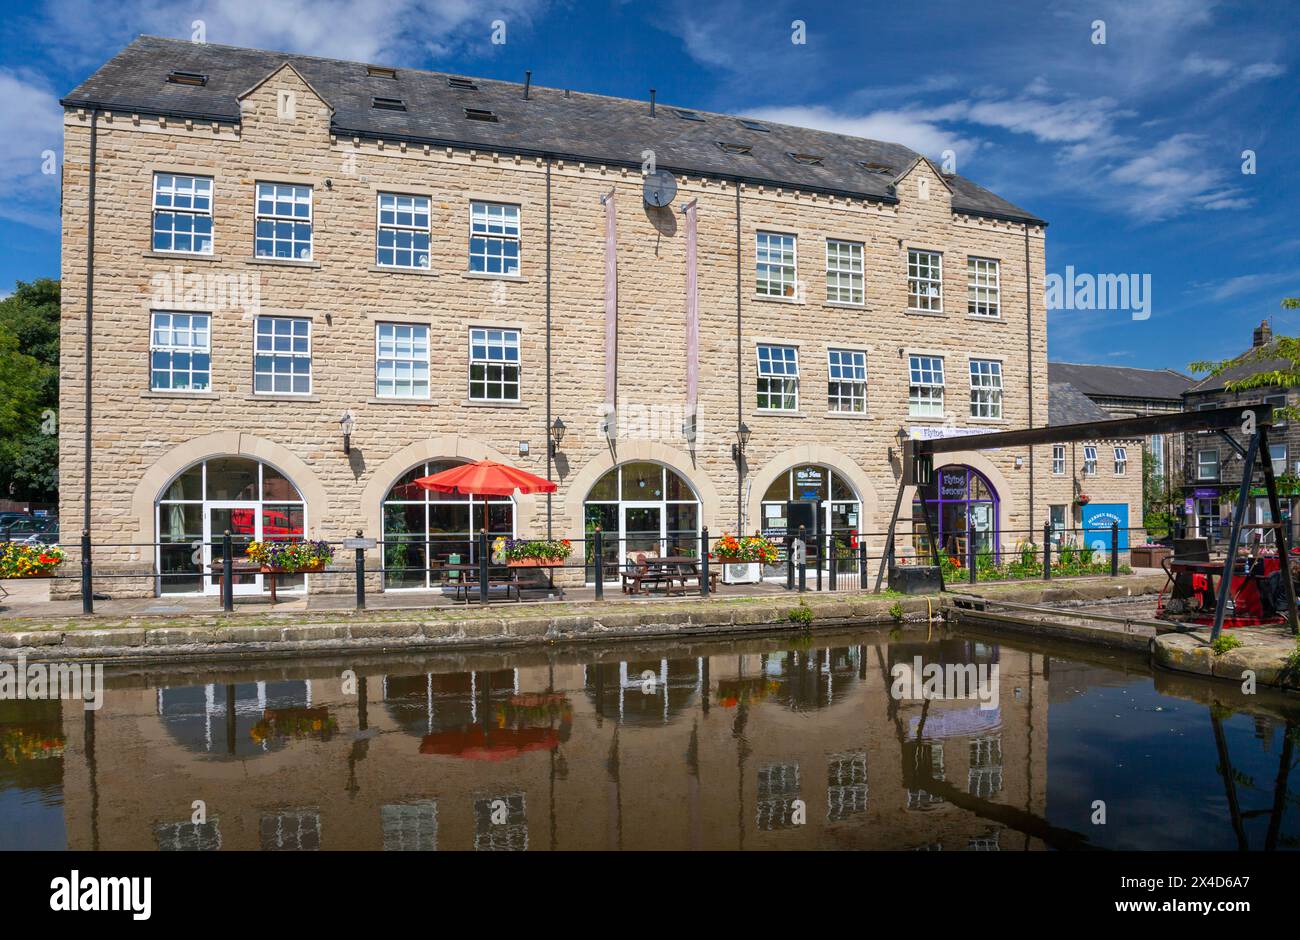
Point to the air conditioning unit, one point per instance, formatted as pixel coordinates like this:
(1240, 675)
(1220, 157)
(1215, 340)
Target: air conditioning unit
(741, 572)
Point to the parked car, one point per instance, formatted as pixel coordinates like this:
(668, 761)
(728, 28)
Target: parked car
(9, 517)
(15, 529)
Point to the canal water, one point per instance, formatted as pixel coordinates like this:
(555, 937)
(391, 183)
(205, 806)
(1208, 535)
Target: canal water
(790, 742)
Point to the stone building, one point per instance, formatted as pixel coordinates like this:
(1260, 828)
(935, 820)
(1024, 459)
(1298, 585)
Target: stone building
(1212, 470)
(280, 241)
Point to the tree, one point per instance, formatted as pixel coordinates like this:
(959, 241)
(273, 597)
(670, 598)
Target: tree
(29, 391)
(1285, 348)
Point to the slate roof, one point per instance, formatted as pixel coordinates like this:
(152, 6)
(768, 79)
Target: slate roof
(1067, 405)
(1241, 370)
(1120, 381)
(592, 128)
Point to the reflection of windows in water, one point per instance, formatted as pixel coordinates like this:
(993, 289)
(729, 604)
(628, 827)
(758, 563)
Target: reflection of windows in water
(508, 835)
(778, 787)
(846, 785)
(985, 843)
(985, 777)
(293, 830)
(928, 754)
(188, 837)
(929, 847)
(410, 827)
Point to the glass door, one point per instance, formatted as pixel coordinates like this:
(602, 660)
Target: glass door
(244, 523)
(643, 529)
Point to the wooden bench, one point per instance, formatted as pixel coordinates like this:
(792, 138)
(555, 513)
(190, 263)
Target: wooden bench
(640, 571)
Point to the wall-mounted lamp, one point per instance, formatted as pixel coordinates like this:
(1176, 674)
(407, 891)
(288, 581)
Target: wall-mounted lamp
(742, 441)
(523, 448)
(557, 434)
(346, 423)
(1020, 462)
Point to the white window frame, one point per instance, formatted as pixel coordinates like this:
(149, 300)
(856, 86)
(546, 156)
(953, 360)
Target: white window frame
(924, 281)
(291, 354)
(782, 386)
(192, 211)
(418, 370)
(1058, 460)
(505, 228)
(273, 190)
(921, 395)
(985, 389)
(398, 229)
(1278, 469)
(845, 266)
(983, 291)
(1277, 401)
(504, 339)
(851, 360)
(172, 349)
(1089, 460)
(1121, 461)
(1200, 463)
(765, 284)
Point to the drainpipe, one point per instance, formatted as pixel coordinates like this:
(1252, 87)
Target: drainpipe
(90, 309)
(740, 396)
(546, 436)
(1029, 349)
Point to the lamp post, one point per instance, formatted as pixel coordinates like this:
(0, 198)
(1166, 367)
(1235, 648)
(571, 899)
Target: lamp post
(738, 457)
(346, 423)
(557, 430)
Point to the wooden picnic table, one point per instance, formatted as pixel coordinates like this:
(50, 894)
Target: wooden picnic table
(665, 569)
(469, 580)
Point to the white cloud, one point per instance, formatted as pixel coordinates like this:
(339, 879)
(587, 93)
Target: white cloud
(30, 126)
(1171, 177)
(916, 129)
(1245, 285)
(347, 29)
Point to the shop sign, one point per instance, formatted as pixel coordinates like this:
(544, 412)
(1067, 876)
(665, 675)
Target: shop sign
(1097, 521)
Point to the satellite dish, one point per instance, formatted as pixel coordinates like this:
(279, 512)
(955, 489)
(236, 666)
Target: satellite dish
(660, 188)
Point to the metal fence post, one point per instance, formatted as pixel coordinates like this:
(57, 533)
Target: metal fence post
(832, 561)
(227, 572)
(1114, 549)
(821, 558)
(87, 581)
(862, 564)
(483, 570)
(598, 562)
(789, 566)
(361, 575)
(1047, 551)
(972, 560)
(704, 561)
(803, 561)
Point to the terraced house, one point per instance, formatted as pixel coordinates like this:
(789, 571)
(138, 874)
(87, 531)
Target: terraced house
(292, 285)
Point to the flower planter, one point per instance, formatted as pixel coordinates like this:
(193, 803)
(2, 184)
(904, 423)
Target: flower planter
(535, 563)
(25, 577)
(1149, 556)
(740, 572)
(305, 569)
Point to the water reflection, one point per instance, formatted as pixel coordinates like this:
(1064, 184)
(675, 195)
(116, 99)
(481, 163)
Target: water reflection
(764, 743)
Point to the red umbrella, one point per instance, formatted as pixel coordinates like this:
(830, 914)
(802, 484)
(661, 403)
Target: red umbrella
(486, 478)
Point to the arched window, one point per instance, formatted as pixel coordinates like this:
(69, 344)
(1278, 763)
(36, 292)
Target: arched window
(426, 531)
(962, 505)
(642, 507)
(250, 499)
(839, 508)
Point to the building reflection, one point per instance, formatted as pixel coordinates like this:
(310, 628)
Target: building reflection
(738, 745)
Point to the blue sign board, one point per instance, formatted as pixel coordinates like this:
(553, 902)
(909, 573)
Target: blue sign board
(1097, 520)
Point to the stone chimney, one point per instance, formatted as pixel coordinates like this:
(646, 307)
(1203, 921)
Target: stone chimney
(1263, 335)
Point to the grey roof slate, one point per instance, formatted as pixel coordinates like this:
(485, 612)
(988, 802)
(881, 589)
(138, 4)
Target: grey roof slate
(582, 126)
(1120, 381)
(1244, 368)
(1067, 405)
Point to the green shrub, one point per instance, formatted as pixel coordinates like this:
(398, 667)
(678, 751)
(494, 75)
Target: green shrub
(1225, 642)
(801, 615)
(896, 611)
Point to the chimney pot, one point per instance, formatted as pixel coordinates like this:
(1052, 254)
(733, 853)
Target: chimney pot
(1263, 335)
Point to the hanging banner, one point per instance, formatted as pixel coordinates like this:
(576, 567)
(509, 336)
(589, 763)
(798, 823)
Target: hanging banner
(611, 308)
(692, 317)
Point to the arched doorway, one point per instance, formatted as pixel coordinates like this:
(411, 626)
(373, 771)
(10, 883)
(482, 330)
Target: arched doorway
(421, 526)
(248, 498)
(642, 506)
(839, 508)
(964, 504)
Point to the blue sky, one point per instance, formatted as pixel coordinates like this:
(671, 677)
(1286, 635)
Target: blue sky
(1132, 149)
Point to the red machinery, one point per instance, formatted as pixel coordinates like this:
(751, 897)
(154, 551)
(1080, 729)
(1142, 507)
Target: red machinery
(1192, 591)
